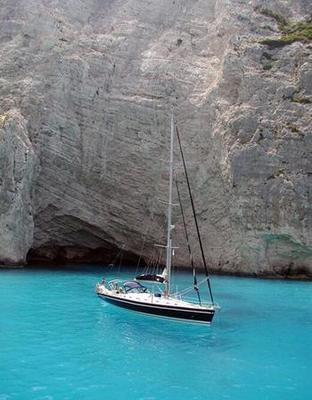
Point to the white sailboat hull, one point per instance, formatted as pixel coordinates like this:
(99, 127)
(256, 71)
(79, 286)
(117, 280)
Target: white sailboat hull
(148, 303)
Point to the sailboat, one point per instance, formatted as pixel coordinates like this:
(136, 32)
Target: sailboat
(133, 295)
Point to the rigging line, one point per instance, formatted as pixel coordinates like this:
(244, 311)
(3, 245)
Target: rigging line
(158, 261)
(194, 214)
(145, 234)
(188, 243)
(120, 261)
(142, 246)
(114, 259)
(152, 212)
(189, 289)
(196, 288)
(154, 261)
(184, 224)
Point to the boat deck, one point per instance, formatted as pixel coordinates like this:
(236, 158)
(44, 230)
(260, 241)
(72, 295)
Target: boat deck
(151, 298)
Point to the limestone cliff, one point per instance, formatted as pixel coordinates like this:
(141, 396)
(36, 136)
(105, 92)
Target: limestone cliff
(17, 161)
(91, 84)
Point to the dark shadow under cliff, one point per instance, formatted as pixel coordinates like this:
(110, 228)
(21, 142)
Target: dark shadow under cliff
(80, 255)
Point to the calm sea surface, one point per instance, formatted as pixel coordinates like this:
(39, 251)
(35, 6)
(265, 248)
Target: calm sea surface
(59, 341)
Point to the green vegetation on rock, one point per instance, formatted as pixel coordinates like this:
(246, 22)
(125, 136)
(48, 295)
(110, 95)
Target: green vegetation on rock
(269, 13)
(291, 31)
(287, 247)
(301, 99)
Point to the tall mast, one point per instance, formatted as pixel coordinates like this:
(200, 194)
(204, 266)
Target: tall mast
(169, 215)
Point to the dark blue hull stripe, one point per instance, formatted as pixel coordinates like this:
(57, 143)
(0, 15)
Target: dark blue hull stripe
(162, 310)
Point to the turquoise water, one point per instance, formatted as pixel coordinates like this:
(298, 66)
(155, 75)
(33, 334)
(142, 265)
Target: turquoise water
(59, 341)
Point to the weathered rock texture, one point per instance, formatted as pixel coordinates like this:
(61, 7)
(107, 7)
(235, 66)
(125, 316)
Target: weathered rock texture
(17, 162)
(96, 79)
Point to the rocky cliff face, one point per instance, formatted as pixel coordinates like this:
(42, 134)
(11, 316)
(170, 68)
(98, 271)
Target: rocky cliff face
(17, 161)
(86, 91)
